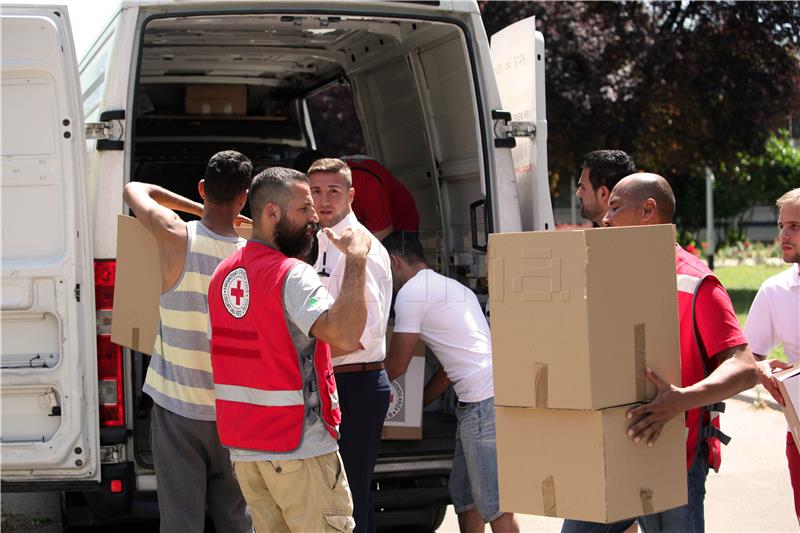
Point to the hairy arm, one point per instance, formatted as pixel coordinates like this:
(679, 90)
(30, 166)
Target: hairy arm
(341, 325)
(400, 353)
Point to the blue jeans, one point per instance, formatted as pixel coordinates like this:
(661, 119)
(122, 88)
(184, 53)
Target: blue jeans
(688, 518)
(473, 477)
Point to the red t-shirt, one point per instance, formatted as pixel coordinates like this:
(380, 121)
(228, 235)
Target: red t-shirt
(385, 201)
(718, 329)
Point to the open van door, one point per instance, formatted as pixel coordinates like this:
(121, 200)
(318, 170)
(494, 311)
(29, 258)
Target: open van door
(48, 365)
(521, 128)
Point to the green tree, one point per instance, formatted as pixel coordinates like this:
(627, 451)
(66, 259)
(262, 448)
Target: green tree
(679, 85)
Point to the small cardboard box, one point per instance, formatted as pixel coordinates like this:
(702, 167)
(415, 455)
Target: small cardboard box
(577, 316)
(404, 417)
(789, 385)
(137, 286)
(216, 99)
(582, 465)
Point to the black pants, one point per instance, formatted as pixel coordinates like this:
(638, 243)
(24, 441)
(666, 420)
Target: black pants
(193, 470)
(364, 400)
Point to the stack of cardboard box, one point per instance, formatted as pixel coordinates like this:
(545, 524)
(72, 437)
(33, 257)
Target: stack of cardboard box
(577, 317)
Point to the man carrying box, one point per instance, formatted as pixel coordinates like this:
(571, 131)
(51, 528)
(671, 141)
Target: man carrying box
(716, 362)
(774, 318)
(272, 323)
(192, 467)
(447, 316)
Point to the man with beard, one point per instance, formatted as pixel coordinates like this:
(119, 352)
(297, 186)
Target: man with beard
(774, 319)
(272, 323)
(360, 375)
(601, 170)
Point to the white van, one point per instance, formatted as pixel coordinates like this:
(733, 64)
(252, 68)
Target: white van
(423, 91)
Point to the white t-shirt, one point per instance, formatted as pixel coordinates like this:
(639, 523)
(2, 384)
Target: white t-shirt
(449, 319)
(378, 290)
(774, 316)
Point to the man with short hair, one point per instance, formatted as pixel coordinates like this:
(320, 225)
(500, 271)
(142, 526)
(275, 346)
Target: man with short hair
(715, 360)
(192, 468)
(600, 171)
(448, 318)
(774, 319)
(360, 375)
(272, 323)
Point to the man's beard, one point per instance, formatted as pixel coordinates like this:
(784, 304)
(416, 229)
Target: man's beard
(292, 240)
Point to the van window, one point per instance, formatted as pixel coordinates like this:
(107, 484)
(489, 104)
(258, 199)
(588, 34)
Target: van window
(335, 125)
(93, 79)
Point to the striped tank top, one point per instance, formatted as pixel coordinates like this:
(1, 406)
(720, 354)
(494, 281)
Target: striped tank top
(179, 377)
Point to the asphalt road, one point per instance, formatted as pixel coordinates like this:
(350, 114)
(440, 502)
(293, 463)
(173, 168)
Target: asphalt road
(750, 494)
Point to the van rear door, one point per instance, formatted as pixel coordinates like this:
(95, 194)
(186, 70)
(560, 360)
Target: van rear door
(518, 60)
(48, 366)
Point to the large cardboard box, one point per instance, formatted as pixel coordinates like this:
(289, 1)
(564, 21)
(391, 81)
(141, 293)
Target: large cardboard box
(137, 286)
(582, 465)
(789, 385)
(404, 417)
(216, 99)
(577, 316)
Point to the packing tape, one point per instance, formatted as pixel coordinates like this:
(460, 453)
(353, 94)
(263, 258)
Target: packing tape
(640, 360)
(540, 385)
(135, 339)
(549, 496)
(646, 495)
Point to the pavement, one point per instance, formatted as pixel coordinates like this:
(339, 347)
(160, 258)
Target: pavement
(751, 492)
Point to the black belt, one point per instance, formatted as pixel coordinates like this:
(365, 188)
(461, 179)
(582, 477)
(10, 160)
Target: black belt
(358, 367)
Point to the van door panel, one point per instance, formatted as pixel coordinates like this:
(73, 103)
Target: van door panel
(48, 362)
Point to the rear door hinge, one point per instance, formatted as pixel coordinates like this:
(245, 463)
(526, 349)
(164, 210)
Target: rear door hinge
(109, 131)
(505, 130)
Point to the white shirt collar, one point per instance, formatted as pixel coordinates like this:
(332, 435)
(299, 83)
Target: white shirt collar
(349, 220)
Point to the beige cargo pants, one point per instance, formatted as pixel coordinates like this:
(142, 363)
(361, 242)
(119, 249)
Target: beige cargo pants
(301, 495)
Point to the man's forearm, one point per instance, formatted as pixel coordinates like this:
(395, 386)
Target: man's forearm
(174, 201)
(731, 377)
(348, 314)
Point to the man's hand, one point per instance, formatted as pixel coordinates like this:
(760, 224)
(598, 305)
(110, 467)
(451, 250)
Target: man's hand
(649, 419)
(766, 368)
(353, 242)
(241, 219)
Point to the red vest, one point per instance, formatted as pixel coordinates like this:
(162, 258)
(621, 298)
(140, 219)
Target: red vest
(701, 421)
(257, 370)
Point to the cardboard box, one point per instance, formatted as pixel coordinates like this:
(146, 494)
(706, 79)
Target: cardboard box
(577, 316)
(216, 99)
(582, 465)
(789, 385)
(404, 417)
(137, 286)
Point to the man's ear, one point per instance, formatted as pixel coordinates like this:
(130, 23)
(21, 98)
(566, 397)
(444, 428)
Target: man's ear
(649, 211)
(351, 194)
(394, 260)
(273, 212)
(201, 188)
(603, 193)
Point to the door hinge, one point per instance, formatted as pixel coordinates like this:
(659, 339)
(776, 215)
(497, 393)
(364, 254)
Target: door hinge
(78, 292)
(505, 129)
(109, 131)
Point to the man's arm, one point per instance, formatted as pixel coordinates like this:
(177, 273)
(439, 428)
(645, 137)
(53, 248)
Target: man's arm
(761, 335)
(342, 324)
(152, 206)
(435, 387)
(400, 353)
(766, 368)
(736, 372)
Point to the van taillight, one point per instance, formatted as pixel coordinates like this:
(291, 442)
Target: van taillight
(109, 355)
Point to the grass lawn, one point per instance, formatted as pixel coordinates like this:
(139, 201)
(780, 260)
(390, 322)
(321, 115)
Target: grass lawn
(742, 283)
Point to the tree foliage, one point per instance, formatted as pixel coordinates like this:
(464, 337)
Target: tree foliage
(679, 85)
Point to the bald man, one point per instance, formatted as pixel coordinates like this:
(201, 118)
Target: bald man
(716, 362)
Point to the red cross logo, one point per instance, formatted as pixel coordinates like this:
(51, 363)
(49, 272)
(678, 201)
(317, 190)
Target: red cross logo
(237, 292)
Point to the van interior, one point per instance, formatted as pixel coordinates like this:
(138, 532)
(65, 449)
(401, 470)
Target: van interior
(273, 86)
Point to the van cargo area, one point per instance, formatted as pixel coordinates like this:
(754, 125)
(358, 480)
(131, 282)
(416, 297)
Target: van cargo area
(265, 84)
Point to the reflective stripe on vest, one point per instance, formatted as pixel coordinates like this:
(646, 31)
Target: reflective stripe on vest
(687, 283)
(266, 398)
